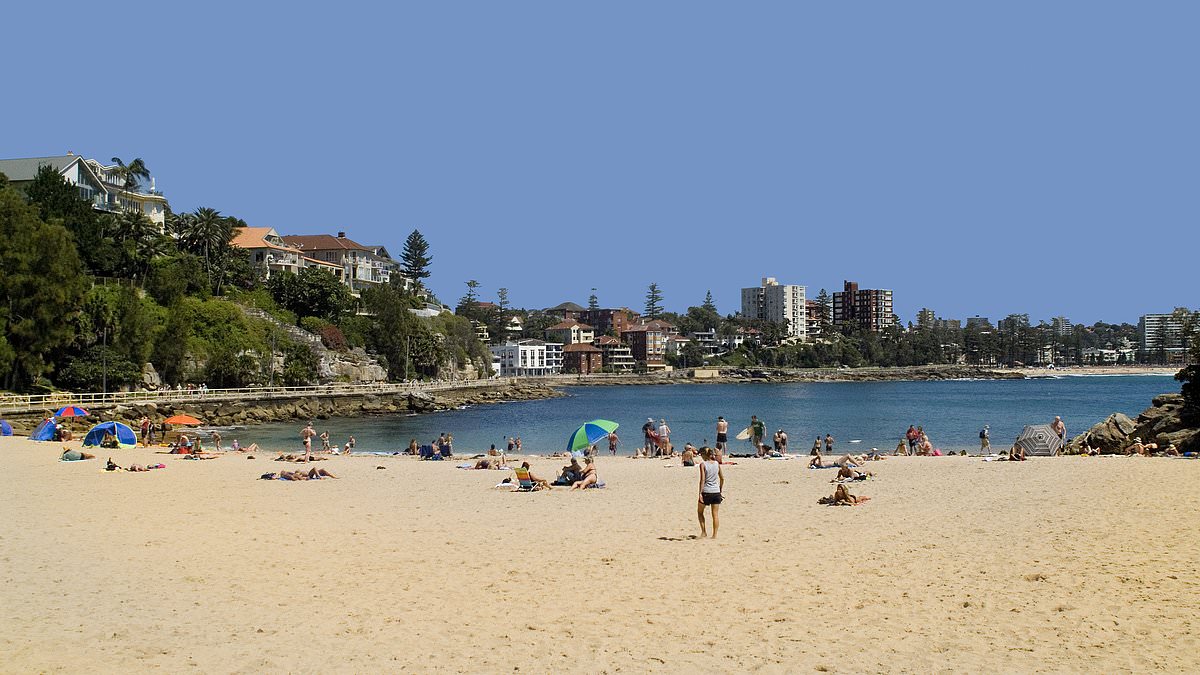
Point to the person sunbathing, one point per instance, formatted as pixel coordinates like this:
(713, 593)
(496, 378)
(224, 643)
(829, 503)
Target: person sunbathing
(901, 448)
(815, 461)
(588, 478)
(1171, 451)
(70, 455)
(852, 461)
(312, 474)
(848, 473)
(1136, 448)
(842, 497)
(1016, 454)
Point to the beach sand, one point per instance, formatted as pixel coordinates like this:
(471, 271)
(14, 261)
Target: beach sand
(1065, 564)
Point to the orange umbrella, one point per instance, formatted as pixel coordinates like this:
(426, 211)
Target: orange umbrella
(186, 420)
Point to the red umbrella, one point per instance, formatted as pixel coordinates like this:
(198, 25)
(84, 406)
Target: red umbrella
(185, 420)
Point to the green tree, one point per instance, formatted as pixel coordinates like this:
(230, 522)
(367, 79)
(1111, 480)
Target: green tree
(299, 365)
(825, 309)
(468, 304)
(654, 298)
(41, 285)
(709, 305)
(415, 257)
(313, 292)
(593, 301)
(59, 201)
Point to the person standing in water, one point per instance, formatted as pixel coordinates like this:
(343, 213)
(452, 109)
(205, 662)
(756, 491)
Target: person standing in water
(712, 482)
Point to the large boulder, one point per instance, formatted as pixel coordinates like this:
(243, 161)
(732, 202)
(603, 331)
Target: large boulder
(1112, 434)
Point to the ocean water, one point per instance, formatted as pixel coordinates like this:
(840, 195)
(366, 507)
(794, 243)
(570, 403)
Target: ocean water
(874, 413)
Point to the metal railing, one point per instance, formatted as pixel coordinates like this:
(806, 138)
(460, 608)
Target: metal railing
(20, 403)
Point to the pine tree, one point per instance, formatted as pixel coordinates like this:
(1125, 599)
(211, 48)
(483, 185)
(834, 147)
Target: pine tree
(593, 301)
(502, 299)
(709, 305)
(825, 304)
(416, 257)
(468, 302)
(654, 308)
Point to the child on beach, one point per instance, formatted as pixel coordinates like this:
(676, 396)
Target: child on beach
(712, 483)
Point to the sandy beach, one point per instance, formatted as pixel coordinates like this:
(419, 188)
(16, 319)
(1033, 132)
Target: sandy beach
(1053, 565)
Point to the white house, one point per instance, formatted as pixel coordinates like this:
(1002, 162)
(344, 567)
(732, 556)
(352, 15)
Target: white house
(98, 183)
(527, 358)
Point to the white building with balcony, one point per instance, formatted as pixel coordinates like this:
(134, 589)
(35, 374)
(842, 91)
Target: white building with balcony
(777, 303)
(528, 358)
(101, 185)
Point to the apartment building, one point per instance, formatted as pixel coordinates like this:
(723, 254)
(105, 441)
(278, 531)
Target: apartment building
(1062, 326)
(583, 359)
(610, 321)
(617, 356)
(868, 308)
(571, 333)
(778, 303)
(527, 358)
(1161, 339)
(648, 343)
(270, 254)
(102, 185)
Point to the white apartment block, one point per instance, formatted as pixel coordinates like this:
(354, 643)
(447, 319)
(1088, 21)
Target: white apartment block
(527, 358)
(1161, 335)
(777, 303)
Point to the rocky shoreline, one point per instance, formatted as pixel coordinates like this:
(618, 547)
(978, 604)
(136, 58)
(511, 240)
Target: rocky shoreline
(783, 375)
(1162, 423)
(251, 411)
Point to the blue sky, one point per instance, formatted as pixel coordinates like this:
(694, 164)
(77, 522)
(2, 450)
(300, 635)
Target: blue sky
(976, 158)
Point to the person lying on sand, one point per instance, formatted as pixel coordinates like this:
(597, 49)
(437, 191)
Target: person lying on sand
(312, 474)
(854, 461)
(1171, 451)
(70, 455)
(848, 473)
(1136, 448)
(589, 477)
(842, 497)
(815, 461)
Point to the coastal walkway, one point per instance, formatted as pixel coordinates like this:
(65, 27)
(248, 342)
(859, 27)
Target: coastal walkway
(15, 404)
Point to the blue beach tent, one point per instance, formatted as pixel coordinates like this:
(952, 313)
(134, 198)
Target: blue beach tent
(44, 431)
(125, 436)
(5, 428)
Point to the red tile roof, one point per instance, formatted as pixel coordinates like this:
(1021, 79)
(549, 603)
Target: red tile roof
(580, 347)
(563, 325)
(323, 242)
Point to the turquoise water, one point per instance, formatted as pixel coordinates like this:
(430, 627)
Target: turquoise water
(876, 413)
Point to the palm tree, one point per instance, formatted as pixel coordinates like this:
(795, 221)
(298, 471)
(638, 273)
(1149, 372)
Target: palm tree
(132, 172)
(207, 233)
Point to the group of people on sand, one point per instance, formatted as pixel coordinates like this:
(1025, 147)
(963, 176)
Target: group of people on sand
(577, 476)
(916, 442)
(308, 433)
(656, 440)
(312, 474)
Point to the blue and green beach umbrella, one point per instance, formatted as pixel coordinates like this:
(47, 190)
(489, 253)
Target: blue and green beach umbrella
(590, 433)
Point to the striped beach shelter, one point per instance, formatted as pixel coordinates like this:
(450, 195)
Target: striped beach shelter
(1039, 439)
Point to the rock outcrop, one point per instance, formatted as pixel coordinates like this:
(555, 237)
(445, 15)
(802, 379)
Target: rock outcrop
(1162, 423)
